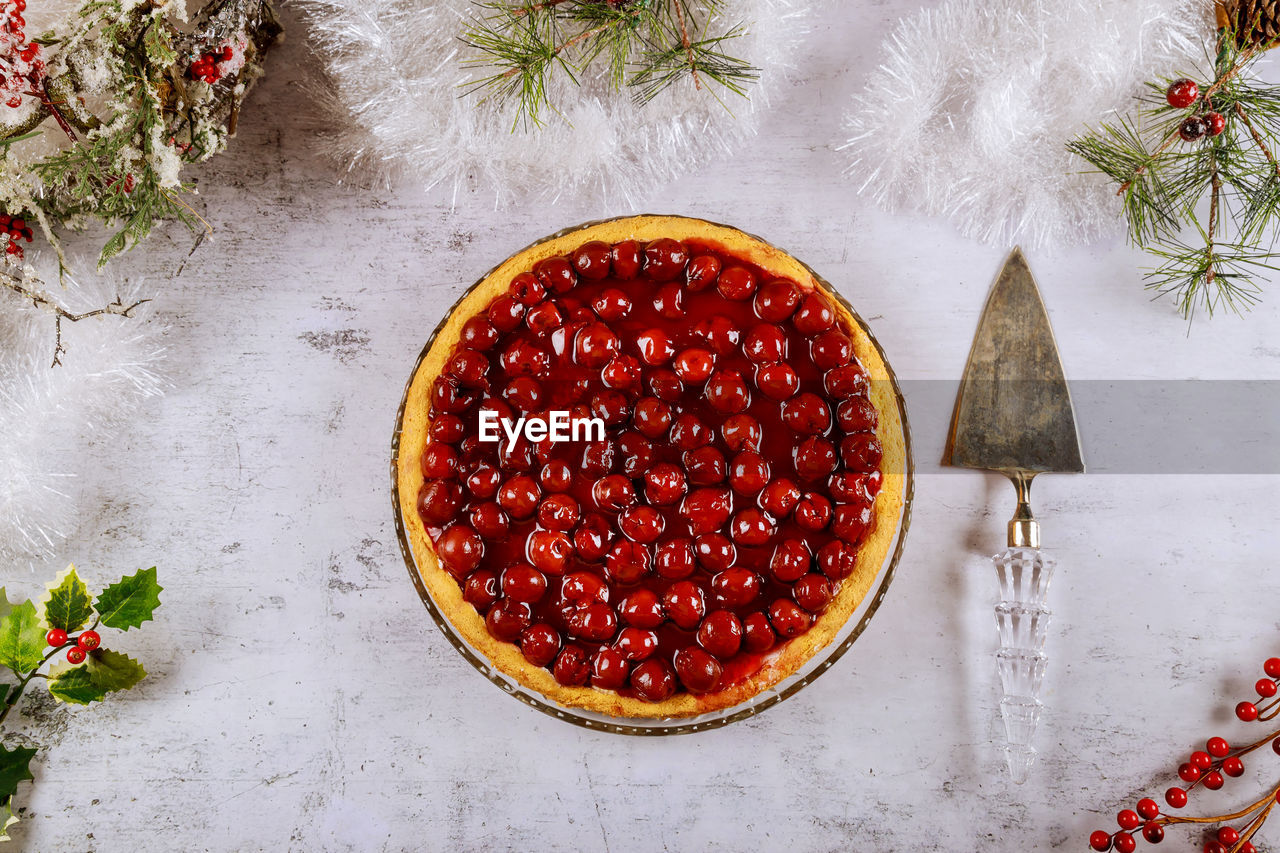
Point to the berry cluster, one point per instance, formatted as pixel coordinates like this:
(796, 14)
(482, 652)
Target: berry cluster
(726, 503)
(1208, 767)
(207, 66)
(80, 645)
(21, 68)
(15, 228)
(1183, 94)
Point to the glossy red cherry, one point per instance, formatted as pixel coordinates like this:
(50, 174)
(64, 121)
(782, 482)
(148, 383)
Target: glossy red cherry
(594, 345)
(777, 381)
(714, 551)
(831, 349)
(701, 272)
(685, 604)
(748, 473)
(1182, 93)
(736, 284)
(641, 609)
(694, 365)
(720, 333)
(572, 667)
(622, 373)
(664, 259)
(446, 429)
(55, 637)
(664, 484)
(669, 301)
(447, 397)
(812, 592)
(593, 537)
(699, 672)
(727, 393)
(481, 589)
(627, 258)
(1100, 840)
(757, 633)
(788, 618)
(813, 511)
(583, 588)
(505, 313)
(846, 382)
(707, 509)
(636, 643)
(814, 315)
(460, 549)
(637, 453)
(627, 562)
(549, 550)
(592, 260)
(720, 634)
(519, 496)
(468, 367)
(598, 459)
(556, 476)
(526, 289)
(741, 432)
(438, 501)
(674, 559)
(610, 406)
(524, 393)
(609, 669)
(595, 622)
(837, 559)
(655, 347)
(776, 300)
(851, 523)
(558, 512)
(642, 524)
(613, 493)
(790, 560)
(653, 680)
(857, 415)
(689, 433)
(736, 586)
(611, 304)
(556, 274)
(705, 466)
(478, 334)
(815, 459)
(652, 417)
(765, 344)
(861, 452)
(752, 527)
(489, 520)
(523, 583)
(807, 414)
(779, 497)
(506, 619)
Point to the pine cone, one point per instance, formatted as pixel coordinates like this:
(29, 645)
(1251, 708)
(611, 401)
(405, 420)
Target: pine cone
(1253, 21)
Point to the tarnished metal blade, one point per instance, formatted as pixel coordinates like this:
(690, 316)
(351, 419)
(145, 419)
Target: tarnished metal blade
(1013, 412)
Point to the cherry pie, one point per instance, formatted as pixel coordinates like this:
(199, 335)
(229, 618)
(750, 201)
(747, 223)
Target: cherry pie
(732, 518)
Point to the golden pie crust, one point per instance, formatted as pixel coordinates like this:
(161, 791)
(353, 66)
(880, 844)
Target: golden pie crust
(779, 662)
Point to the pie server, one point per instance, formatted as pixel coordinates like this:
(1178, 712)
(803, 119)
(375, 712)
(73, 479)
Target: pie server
(1014, 415)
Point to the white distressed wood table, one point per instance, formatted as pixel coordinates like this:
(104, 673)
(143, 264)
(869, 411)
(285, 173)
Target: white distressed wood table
(301, 699)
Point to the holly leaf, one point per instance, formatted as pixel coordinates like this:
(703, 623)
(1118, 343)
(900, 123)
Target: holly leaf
(113, 670)
(130, 601)
(15, 767)
(67, 604)
(22, 643)
(75, 685)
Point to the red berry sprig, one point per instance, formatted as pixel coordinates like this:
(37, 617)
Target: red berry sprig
(1183, 94)
(22, 70)
(206, 66)
(15, 228)
(80, 645)
(1209, 767)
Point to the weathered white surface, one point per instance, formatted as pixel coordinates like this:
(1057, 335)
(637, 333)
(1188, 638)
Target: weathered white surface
(300, 699)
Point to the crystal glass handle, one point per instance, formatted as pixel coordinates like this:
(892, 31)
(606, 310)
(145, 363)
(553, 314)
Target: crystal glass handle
(1022, 620)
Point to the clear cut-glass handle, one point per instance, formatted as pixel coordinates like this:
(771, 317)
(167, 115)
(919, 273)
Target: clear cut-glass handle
(1022, 620)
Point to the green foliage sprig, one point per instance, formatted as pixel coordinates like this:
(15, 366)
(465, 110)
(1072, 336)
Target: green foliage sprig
(66, 619)
(644, 45)
(1206, 208)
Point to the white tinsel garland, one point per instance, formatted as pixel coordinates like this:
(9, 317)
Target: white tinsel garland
(969, 112)
(396, 74)
(55, 421)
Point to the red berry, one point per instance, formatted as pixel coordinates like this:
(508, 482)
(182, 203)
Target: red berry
(714, 551)
(777, 381)
(526, 289)
(637, 643)
(642, 524)
(1272, 667)
(1217, 747)
(482, 589)
(765, 344)
(1175, 797)
(540, 644)
(1247, 711)
(720, 634)
(1153, 832)
(736, 284)
(1215, 122)
(594, 345)
(572, 667)
(674, 559)
(706, 509)
(1192, 128)
(720, 333)
(595, 622)
(654, 680)
(1125, 843)
(741, 432)
(641, 609)
(556, 274)
(549, 550)
(736, 586)
(460, 549)
(685, 604)
(1148, 809)
(788, 618)
(1228, 835)
(583, 588)
(591, 260)
(626, 259)
(701, 272)
(749, 473)
(698, 670)
(669, 301)
(807, 414)
(1182, 93)
(1128, 819)
(1100, 840)
(506, 619)
(655, 347)
(1266, 688)
(89, 640)
(813, 593)
(75, 654)
(1214, 847)
(611, 305)
(779, 498)
(727, 393)
(652, 418)
(609, 669)
(757, 633)
(790, 560)
(55, 637)
(814, 315)
(837, 559)
(706, 466)
(664, 484)
(664, 259)
(558, 512)
(1201, 760)
(628, 562)
(694, 365)
(1188, 773)
(1232, 766)
(1212, 780)
(776, 300)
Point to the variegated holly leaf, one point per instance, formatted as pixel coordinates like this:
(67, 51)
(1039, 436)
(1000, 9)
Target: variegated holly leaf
(130, 601)
(75, 685)
(22, 644)
(114, 670)
(67, 604)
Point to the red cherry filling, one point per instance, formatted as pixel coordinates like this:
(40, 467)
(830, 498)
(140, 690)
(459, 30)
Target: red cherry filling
(721, 511)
